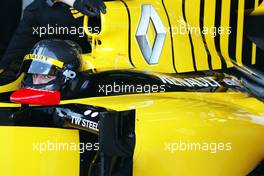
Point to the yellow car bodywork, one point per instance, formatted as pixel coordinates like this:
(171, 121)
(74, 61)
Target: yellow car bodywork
(230, 124)
(163, 121)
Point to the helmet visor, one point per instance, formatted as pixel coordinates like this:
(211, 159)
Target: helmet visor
(39, 67)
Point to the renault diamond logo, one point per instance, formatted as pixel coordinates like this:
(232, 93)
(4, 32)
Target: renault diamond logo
(150, 53)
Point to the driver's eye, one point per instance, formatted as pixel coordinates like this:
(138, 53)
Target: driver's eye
(42, 76)
(46, 76)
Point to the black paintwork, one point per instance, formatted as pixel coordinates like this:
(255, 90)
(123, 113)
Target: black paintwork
(258, 171)
(88, 85)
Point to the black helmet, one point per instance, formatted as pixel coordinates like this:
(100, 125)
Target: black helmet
(53, 57)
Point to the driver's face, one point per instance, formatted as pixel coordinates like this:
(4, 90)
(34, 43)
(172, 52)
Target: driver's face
(42, 79)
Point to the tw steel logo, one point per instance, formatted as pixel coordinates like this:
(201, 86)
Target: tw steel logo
(151, 54)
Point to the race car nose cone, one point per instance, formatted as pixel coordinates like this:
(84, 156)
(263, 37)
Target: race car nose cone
(36, 97)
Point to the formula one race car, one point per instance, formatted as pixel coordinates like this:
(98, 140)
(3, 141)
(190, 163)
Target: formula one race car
(152, 104)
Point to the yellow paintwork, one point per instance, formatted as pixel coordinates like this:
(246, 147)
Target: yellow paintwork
(165, 63)
(12, 86)
(193, 117)
(115, 31)
(161, 119)
(259, 10)
(151, 34)
(165, 118)
(113, 52)
(24, 151)
(240, 24)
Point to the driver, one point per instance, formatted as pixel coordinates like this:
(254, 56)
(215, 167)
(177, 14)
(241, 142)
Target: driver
(51, 65)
